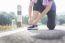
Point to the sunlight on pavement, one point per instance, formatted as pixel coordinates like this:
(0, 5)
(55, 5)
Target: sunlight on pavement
(42, 27)
(11, 32)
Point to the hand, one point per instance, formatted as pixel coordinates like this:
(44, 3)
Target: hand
(43, 14)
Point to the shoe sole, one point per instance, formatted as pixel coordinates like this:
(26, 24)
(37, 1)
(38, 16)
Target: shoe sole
(32, 29)
(36, 28)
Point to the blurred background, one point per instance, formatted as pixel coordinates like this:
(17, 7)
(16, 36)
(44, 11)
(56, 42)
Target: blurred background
(14, 13)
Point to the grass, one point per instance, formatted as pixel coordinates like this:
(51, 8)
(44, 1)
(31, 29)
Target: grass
(7, 27)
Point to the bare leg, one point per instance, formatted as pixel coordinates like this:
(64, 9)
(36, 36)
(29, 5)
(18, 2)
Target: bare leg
(34, 17)
(37, 19)
(39, 16)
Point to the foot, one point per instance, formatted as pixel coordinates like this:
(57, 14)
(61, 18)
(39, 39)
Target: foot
(33, 27)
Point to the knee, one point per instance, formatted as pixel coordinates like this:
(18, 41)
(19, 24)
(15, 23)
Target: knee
(51, 26)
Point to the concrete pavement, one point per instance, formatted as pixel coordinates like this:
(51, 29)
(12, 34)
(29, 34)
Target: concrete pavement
(25, 36)
(22, 35)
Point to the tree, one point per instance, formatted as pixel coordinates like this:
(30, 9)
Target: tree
(25, 19)
(60, 19)
(6, 19)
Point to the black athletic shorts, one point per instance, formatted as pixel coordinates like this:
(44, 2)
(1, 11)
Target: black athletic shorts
(39, 8)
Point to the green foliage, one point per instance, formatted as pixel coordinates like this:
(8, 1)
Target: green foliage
(25, 19)
(6, 18)
(61, 19)
(44, 20)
